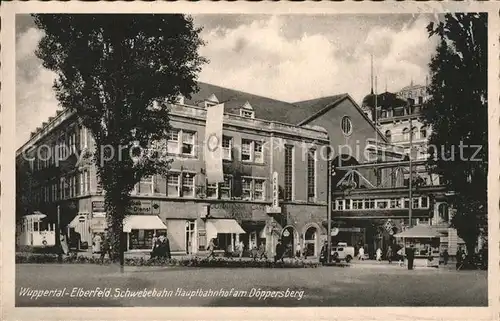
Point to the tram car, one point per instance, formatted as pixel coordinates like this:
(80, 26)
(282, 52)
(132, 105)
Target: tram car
(34, 231)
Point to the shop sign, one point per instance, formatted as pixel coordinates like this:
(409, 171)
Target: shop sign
(98, 207)
(389, 227)
(98, 223)
(350, 229)
(144, 207)
(275, 190)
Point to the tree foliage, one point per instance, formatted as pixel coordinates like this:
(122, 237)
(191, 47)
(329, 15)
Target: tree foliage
(25, 182)
(458, 114)
(119, 73)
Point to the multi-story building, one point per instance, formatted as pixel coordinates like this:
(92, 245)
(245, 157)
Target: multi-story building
(399, 117)
(264, 139)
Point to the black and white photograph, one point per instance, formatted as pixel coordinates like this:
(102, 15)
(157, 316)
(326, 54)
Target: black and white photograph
(189, 159)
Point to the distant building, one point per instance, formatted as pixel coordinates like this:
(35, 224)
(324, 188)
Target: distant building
(392, 116)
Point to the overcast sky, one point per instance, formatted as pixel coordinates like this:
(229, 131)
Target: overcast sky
(291, 58)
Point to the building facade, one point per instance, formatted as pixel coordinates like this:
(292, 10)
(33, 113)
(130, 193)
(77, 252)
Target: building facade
(274, 152)
(399, 117)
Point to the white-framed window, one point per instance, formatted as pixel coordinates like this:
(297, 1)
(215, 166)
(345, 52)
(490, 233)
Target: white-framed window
(82, 184)
(226, 187)
(227, 146)
(259, 189)
(346, 125)
(246, 187)
(181, 142)
(247, 113)
(146, 185)
(347, 205)
(395, 203)
(188, 184)
(369, 204)
(416, 201)
(382, 204)
(357, 204)
(212, 190)
(173, 184)
(62, 188)
(424, 203)
(252, 151)
(253, 188)
(339, 205)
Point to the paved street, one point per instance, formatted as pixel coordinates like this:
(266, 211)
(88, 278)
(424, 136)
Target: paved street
(325, 286)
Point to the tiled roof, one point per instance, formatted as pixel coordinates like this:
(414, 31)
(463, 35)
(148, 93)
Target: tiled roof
(265, 108)
(313, 106)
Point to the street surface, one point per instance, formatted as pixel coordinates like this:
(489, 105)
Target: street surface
(358, 285)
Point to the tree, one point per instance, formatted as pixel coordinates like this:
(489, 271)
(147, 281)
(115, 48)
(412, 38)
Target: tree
(119, 73)
(25, 182)
(458, 114)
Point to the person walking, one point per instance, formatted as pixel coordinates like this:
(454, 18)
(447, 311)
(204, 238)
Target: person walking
(211, 248)
(106, 248)
(458, 256)
(279, 252)
(361, 254)
(241, 247)
(379, 254)
(298, 251)
(410, 255)
(446, 257)
(324, 253)
(96, 243)
(389, 254)
(262, 251)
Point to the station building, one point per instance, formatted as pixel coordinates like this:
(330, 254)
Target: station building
(264, 140)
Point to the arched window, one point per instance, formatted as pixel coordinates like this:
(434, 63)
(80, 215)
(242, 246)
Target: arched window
(388, 135)
(406, 134)
(423, 132)
(443, 212)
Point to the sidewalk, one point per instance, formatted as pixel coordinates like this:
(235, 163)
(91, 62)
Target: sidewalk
(396, 265)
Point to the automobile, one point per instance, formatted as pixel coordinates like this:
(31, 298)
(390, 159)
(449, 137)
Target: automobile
(342, 252)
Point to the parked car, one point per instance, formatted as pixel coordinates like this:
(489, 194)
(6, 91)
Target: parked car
(342, 252)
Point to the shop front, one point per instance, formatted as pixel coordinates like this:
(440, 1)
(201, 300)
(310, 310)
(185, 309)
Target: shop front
(225, 232)
(141, 229)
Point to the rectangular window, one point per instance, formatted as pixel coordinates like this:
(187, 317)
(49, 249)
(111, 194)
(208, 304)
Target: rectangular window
(187, 185)
(146, 185)
(87, 181)
(340, 205)
(225, 188)
(407, 203)
(259, 189)
(82, 182)
(212, 191)
(173, 141)
(357, 204)
(246, 113)
(347, 205)
(311, 175)
(415, 202)
(288, 173)
(252, 151)
(173, 185)
(246, 148)
(425, 202)
(188, 143)
(246, 189)
(61, 188)
(382, 204)
(227, 146)
(395, 203)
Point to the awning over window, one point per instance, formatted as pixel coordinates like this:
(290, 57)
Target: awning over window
(143, 222)
(223, 226)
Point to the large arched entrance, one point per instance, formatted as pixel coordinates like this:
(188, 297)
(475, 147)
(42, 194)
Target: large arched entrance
(289, 240)
(311, 241)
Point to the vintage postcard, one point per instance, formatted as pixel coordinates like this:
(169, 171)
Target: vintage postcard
(319, 159)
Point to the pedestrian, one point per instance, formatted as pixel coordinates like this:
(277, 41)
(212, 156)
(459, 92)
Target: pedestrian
(379, 254)
(458, 256)
(262, 251)
(400, 257)
(389, 254)
(446, 257)
(241, 247)
(298, 251)
(64, 243)
(106, 248)
(361, 254)
(279, 252)
(410, 255)
(167, 248)
(96, 243)
(211, 248)
(324, 253)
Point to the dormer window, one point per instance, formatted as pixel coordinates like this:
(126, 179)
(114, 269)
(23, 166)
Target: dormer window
(211, 101)
(247, 111)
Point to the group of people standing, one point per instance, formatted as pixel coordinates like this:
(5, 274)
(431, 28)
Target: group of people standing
(161, 247)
